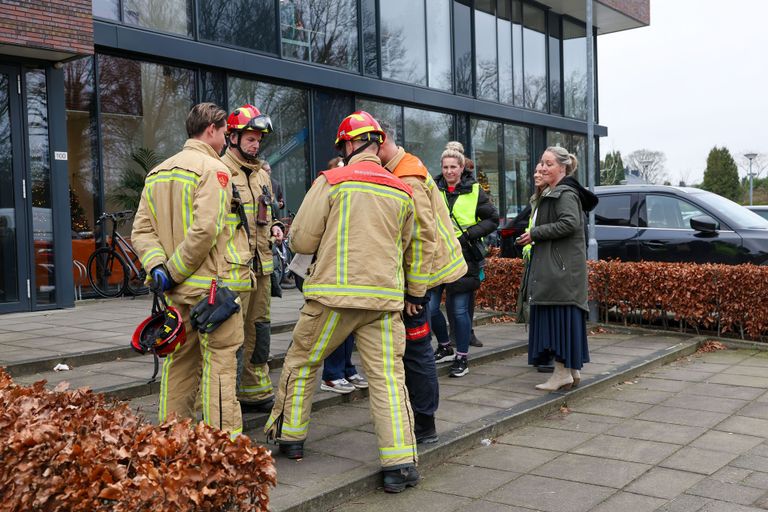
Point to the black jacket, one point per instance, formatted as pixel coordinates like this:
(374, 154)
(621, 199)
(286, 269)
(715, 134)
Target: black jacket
(487, 222)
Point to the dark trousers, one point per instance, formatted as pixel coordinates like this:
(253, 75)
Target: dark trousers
(338, 365)
(419, 362)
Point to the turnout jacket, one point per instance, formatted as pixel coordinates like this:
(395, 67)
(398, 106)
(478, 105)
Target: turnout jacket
(436, 257)
(357, 220)
(251, 181)
(185, 222)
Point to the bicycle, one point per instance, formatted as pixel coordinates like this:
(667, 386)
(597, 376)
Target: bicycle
(115, 269)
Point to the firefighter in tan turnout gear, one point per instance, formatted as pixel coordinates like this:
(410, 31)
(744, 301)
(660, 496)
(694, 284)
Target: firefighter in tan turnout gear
(186, 234)
(246, 128)
(357, 220)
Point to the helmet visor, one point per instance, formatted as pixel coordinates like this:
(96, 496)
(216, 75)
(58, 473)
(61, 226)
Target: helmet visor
(261, 123)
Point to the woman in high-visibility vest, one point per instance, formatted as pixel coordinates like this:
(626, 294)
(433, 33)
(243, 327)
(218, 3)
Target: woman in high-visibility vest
(473, 217)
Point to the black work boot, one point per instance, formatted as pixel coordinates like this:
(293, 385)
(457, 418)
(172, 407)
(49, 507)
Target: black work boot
(396, 480)
(473, 341)
(424, 428)
(259, 406)
(293, 450)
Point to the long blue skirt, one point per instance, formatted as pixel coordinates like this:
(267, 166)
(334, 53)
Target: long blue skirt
(560, 331)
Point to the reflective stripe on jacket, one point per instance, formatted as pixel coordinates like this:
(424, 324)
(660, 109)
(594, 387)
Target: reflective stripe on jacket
(464, 209)
(360, 230)
(184, 221)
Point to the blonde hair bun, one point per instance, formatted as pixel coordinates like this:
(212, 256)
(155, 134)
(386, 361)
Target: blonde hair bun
(455, 145)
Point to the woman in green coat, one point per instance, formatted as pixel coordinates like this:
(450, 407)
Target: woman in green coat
(557, 276)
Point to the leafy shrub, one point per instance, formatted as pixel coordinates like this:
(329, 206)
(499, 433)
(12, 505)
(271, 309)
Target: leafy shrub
(76, 451)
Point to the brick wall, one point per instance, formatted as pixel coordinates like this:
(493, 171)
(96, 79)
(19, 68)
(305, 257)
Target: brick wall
(637, 9)
(59, 25)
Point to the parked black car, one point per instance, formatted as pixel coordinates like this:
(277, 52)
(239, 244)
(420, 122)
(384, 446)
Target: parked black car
(673, 224)
(761, 210)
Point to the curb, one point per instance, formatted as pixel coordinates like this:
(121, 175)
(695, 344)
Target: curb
(367, 479)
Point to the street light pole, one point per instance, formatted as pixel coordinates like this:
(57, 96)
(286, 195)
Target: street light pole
(592, 241)
(750, 156)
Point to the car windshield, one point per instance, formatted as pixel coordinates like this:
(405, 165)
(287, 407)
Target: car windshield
(741, 217)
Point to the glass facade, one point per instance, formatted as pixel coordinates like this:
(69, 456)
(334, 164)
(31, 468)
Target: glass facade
(535, 87)
(486, 62)
(403, 41)
(439, 44)
(575, 69)
(574, 143)
(486, 140)
(9, 286)
(287, 148)
(555, 96)
(230, 22)
(425, 135)
(108, 9)
(504, 49)
(174, 16)
(462, 48)
(518, 171)
(370, 38)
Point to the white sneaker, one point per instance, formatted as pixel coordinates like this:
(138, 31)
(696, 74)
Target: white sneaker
(341, 386)
(358, 381)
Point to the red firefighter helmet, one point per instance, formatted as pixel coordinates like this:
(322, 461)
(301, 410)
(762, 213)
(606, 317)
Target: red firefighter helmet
(248, 117)
(161, 333)
(360, 125)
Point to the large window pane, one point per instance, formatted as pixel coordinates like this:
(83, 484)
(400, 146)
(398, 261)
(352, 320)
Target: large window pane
(462, 50)
(439, 37)
(40, 172)
(9, 287)
(322, 31)
(328, 109)
(370, 38)
(426, 133)
(109, 9)
(574, 143)
(485, 153)
(392, 114)
(575, 70)
(232, 22)
(213, 87)
(555, 99)
(173, 16)
(504, 35)
(287, 148)
(144, 107)
(487, 71)
(403, 43)
(517, 52)
(518, 171)
(535, 58)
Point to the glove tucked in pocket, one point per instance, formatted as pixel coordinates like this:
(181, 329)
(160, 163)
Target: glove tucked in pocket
(206, 317)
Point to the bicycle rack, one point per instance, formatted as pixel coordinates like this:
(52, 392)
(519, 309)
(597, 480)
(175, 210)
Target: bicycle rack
(82, 271)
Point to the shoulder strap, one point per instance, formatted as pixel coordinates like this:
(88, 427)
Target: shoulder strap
(366, 172)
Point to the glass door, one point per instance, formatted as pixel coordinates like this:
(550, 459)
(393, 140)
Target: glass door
(15, 287)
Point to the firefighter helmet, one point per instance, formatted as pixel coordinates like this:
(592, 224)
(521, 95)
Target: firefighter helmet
(248, 117)
(360, 125)
(162, 332)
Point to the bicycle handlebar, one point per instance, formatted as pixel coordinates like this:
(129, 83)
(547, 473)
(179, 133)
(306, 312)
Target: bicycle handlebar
(115, 217)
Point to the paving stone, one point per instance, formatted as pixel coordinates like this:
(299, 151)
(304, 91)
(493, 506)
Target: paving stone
(744, 425)
(753, 462)
(314, 469)
(656, 431)
(473, 380)
(628, 393)
(729, 356)
(734, 493)
(755, 410)
(658, 384)
(705, 403)
(506, 457)
(756, 479)
(722, 390)
(664, 483)
(592, 470)
(355, 445)
(545, 438)
(10, 336)
(448, 390)
(626, 449)
(606, 407)
(682, 416)
(682, 374)
(727, 442)
(750, 371)
(342, 415)
(611, 349)
(723, 506)
(489, 506)
(731, 475)
(698, 460)
(463, 480)
(490, 397)
(550, 495)
(625, 502)
(685, 503)
(611, 359)
(412, 499)
(498, 370)
(519, 385)
(740, 380)
(462, 412)
(589, 423)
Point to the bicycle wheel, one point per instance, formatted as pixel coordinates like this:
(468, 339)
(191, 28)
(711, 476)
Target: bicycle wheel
(136, 282)
(107, 272)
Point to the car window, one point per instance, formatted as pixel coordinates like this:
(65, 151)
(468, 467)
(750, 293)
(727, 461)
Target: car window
(614, 210)
(669, 212)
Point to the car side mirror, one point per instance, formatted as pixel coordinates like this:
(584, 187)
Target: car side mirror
(704, 223)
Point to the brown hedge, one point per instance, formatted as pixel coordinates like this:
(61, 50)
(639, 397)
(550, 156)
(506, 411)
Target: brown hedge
(76, 451)
(721, 298)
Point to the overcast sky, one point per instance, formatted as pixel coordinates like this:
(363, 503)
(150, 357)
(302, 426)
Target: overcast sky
(696, 78)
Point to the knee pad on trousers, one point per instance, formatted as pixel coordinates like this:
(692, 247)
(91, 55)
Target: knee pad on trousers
(261, 350)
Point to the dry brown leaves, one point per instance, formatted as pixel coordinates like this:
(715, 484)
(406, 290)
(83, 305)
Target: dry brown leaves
(77, 451)
(503, 319)
(711, 346)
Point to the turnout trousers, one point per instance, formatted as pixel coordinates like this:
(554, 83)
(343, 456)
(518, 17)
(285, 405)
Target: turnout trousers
(253, 382)
(208, 363)
(380, 338)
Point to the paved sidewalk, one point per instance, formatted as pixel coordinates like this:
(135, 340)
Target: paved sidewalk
(690, 436)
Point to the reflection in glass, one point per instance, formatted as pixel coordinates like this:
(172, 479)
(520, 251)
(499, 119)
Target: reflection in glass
(329, 108)
(287, 148)
(439, 47)
(232, 22)
(517, 51)
(575, 70)
(40, 172)
(487, 71)
(555, 99)
(370, 38)
(213, 85)
(518, 171)
(506, 79)
(9, 285)
(485, 153)
(403, 45)
(574, 143)
(143, 106)
(109, 9)
(426, 133)
(322, 31)
(392, 114)
(535, 58)
(174, 16)
(462, 50)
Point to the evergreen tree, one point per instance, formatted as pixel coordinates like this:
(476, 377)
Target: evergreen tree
(721, 175)
(612, 169)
